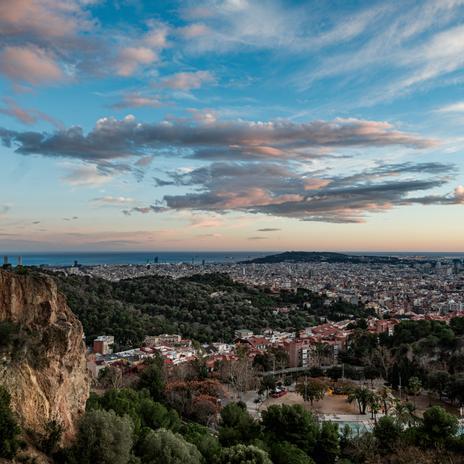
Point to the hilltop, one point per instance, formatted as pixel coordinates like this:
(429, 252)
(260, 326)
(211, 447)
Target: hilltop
(322, 256)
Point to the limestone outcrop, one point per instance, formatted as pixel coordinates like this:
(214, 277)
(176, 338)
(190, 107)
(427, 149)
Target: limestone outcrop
(42, 354)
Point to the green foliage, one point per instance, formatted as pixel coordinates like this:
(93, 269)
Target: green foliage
(285, 453)
(9, 429)
(143, 411)
(387, 431)
(152, 378)
(242, 454)
(206, 308)
(50, 441)
(103, 437)
(328, 444)
(437, 381)
(360, 395)
(292, 424)
(165, 447)
(237, 426)
(457, 325)
(311, 389)
(204, 440)
(438, 426)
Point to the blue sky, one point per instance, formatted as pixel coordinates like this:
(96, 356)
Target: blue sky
(237, 124)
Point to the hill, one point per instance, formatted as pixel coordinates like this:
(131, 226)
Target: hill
(324, 256)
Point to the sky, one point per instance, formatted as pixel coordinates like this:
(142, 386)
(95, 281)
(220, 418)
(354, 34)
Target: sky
(231, 125)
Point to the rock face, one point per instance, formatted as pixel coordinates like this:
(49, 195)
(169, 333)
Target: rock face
(44, 369)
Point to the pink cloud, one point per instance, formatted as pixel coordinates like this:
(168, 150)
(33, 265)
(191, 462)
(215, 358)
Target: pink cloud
(315, 184)
(130, 58)
(26, 116)
(193, 30)
(459, 193)
(43, 18)
(30, 64)
(188, 80)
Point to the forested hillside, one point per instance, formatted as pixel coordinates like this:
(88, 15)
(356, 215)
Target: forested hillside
(204, 307)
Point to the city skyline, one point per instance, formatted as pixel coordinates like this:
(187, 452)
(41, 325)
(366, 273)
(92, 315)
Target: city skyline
(231, 125)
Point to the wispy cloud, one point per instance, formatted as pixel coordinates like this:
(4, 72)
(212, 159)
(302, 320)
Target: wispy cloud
(26, 115)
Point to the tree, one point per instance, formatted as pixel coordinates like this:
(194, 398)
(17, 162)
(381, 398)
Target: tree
(438, 425)
(404, 413)
(387, 431)
(236, 425)
(437, 382)
(156, 415)
(152, 378)
(165, 447)
(204, 440)
(386, 398)
(104, 437)
(455, 388)
(268, 383)
(414, 387)
(374, 404)
(361, 395)
(285, 453)
(9, 429)
(242, 454)
(110, 377)
(292, 424)
(457, 324)
(328, 444)
(311, 389)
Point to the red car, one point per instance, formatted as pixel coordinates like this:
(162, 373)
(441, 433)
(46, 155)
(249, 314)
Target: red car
(279, 393)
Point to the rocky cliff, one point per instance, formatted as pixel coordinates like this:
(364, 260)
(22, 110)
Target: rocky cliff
(42, 354)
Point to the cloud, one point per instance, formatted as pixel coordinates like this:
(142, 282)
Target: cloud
(279, 190)
(193, 30)
(43, 19)
(269, 25)
(111, 139)
(188, 80)
(452, 108)
(86, 175)
(145, 210)
(397, 50)
(30, 64)
(137, 100)
(139, 52)
(113, 201)
(26, 116)
(269, 229)
(131, 58)
(257, 238)
(47, 41)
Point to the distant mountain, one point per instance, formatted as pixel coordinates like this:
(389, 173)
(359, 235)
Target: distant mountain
(324, 256)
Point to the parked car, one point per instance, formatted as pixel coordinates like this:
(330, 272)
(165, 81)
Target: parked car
(279, 392)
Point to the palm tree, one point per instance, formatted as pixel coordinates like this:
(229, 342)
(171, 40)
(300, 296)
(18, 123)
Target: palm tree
(375, 405)
(386, 399)
(361, 395)
(405, 413)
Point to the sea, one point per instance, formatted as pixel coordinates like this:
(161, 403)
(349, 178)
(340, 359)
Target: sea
(134, 257)
(64, 259)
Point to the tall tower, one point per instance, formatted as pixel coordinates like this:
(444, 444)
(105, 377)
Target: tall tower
(5, 260)
(20, 260)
